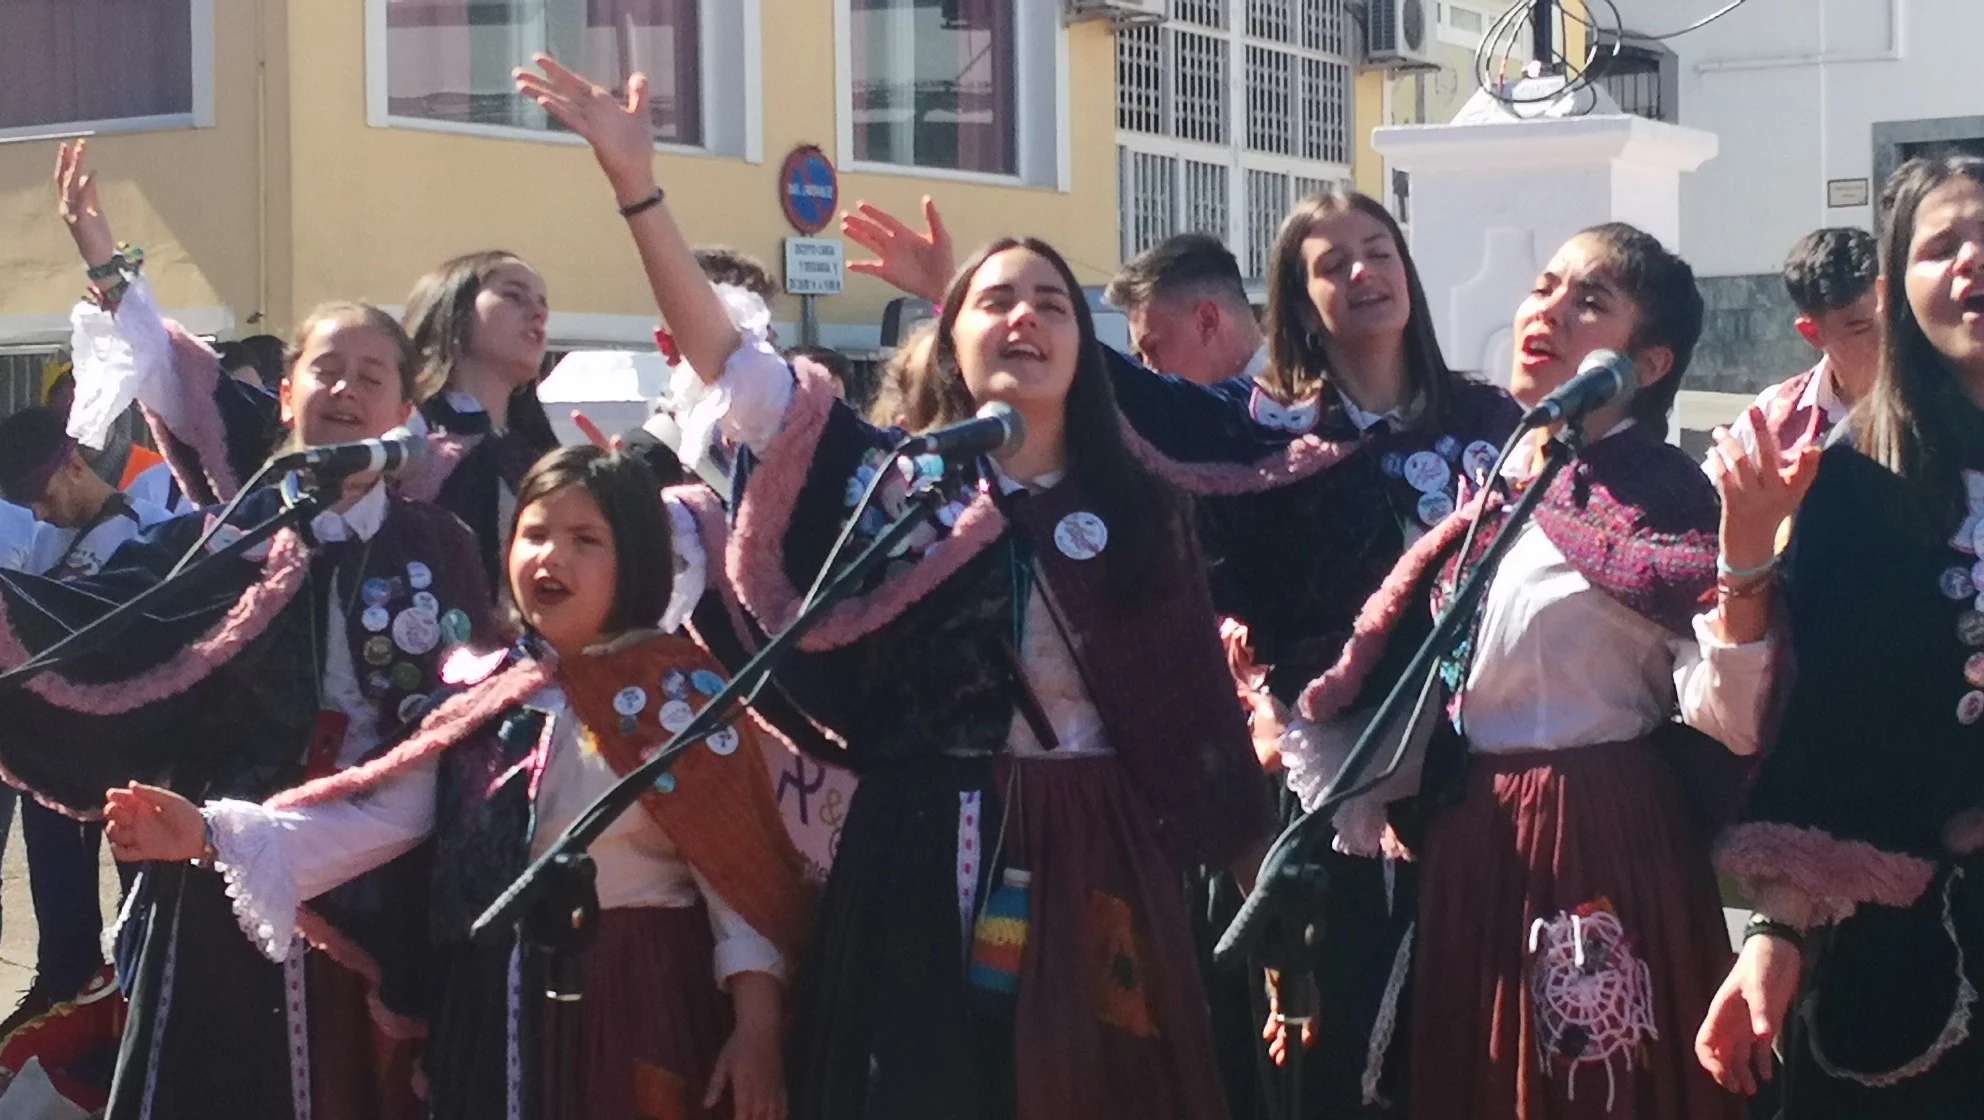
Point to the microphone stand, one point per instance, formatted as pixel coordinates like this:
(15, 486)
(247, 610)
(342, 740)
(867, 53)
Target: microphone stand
(553, 904)
(159, 886)
(1276, 925)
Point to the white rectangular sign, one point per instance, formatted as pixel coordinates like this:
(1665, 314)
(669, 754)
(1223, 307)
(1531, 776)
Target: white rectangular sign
(814, 266)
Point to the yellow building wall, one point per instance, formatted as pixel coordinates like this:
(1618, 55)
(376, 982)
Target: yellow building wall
(376, 207)
(187, 196)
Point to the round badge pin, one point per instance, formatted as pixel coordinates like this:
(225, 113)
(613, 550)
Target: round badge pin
(724, 741)
(427, 604)
(1393, 464)
(1426, 472)
(1973, 670)
(416, 632)
(675, 684)
(1448, 447)
(706, 682)
(378, 650)
(1958, 584)
(1435, 507)
(406, 676)
(1081, 535)
(455, 627)
(375, 619)
(1478, 458)
(665, 784)
(375, 592)
(630, 700)
(675, 715)
(378, 684)
(1971, 708)
(419, 576)
(1970, 627)
(410, 705)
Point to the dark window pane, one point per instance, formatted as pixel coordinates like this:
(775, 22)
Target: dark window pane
(94, 60)
(933, 83)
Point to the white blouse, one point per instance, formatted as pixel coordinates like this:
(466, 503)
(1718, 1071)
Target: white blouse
(275, 859)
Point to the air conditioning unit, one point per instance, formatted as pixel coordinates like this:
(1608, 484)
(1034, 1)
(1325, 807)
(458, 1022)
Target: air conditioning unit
(1116, 11)
(1398, 34)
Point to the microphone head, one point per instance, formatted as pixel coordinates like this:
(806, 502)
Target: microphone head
(1010, 419)
(403, 447)
(1619, 366)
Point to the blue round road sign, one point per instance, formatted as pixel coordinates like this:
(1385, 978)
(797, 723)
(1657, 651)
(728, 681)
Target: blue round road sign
(808, 190)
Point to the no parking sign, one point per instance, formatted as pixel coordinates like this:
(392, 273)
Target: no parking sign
(808, 189)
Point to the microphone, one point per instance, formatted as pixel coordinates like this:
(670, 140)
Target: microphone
(1605, 377)
(389, 452)
(997, 427)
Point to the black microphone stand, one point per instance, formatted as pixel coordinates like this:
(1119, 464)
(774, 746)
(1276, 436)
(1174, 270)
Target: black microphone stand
(1276, 925)
(553, 904)
(159, 886)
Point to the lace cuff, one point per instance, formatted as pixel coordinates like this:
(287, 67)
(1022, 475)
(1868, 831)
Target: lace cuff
(117, 358)
(691, 565)
(748, 402)
(249, 849)
(1312, 754)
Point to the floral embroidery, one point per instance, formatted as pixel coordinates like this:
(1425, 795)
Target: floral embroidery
(1117, 977)
(1591, 997)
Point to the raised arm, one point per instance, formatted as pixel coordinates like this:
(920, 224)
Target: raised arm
(622, 140)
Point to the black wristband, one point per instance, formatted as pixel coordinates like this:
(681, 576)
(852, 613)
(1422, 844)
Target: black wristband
(1759, 926)
(644, 205)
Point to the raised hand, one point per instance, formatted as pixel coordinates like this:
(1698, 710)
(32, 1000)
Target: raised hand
(148, 823)
(1760, 489)
(621, 134)
(918, 263)
(81, 211)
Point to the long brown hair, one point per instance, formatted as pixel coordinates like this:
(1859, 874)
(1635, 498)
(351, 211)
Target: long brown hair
(1916, 420)
(1140, 510)
(440, 318)
(1298, 359)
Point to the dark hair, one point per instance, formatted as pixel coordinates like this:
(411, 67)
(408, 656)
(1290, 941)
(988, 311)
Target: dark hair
(1662, 288)
(724, 265)
(832, 360)
(372, 318)
(1188, 264)
(627, 495)
(1140, 510)
(1830, 268)
(29, 439)
(907, 394)
(1916, 419)
(1298, 362)
(440, 316)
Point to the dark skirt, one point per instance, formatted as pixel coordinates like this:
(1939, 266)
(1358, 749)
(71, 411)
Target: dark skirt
(1570, 939)
(1109, 1018)
(648, 1029)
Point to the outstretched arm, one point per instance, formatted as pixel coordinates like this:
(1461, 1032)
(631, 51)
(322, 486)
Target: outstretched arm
(622, 140)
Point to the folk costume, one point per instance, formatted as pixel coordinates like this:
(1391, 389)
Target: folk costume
(1003, 932)
(1303, 510)
(288, 665)
(698, 886)
(1569, 932)
(216, 432)
(1868, 800)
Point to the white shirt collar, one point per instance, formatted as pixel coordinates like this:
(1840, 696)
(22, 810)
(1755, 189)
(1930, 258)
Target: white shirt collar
(462, 401)
(1010, 485)
(1365, 420)
(1823, 392)
(1520, 464)
(1257, 364)
(362, 520)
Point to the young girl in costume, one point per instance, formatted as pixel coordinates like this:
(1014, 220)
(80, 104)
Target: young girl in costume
(299, 658)
(700, 889)
(1034, 698)
(1860, 840)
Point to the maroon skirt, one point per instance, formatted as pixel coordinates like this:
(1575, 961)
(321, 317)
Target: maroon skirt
(1111, 1019)
(1570, 939)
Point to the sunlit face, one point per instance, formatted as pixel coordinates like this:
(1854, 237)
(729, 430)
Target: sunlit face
(1575, 308)
(510, 315)
(563, 569)
(1945, 290)
(1850, 337)
(1016, 336)
(1179, 336)
(345, 384)
(1356, 279)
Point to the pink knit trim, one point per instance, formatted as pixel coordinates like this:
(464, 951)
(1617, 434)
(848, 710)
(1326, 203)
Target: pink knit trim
(9, 777)
(1304, 456)
(707, 508)
(282, 574)
(445, 726)
(1837, 875)
(422, 481)
(1328, 695)
(197, 369)
(754, 556)
(346, 954)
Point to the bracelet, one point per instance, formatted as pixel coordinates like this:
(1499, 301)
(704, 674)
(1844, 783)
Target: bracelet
(1728, 590)
(209, 855)
(1741, 575)
(1760, 926)
(126, 260)
(644, 205)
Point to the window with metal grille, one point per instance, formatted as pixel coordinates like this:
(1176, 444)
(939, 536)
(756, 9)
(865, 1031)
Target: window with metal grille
(1304, 187)
(1267, 204)
(1147, 186)
(1637, 79)
(1206, 209)
(1298, 85)
(1204, 13)
(1199, 93)
(1323, 26)
(1270, 100)
(1140, 79)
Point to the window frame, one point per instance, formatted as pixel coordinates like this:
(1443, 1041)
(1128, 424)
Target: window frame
(730, 73)
(201, 19)
(1041, 140)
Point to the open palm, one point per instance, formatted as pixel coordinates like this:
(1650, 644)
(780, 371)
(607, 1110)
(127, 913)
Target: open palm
(621, 133)
(79, 206)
